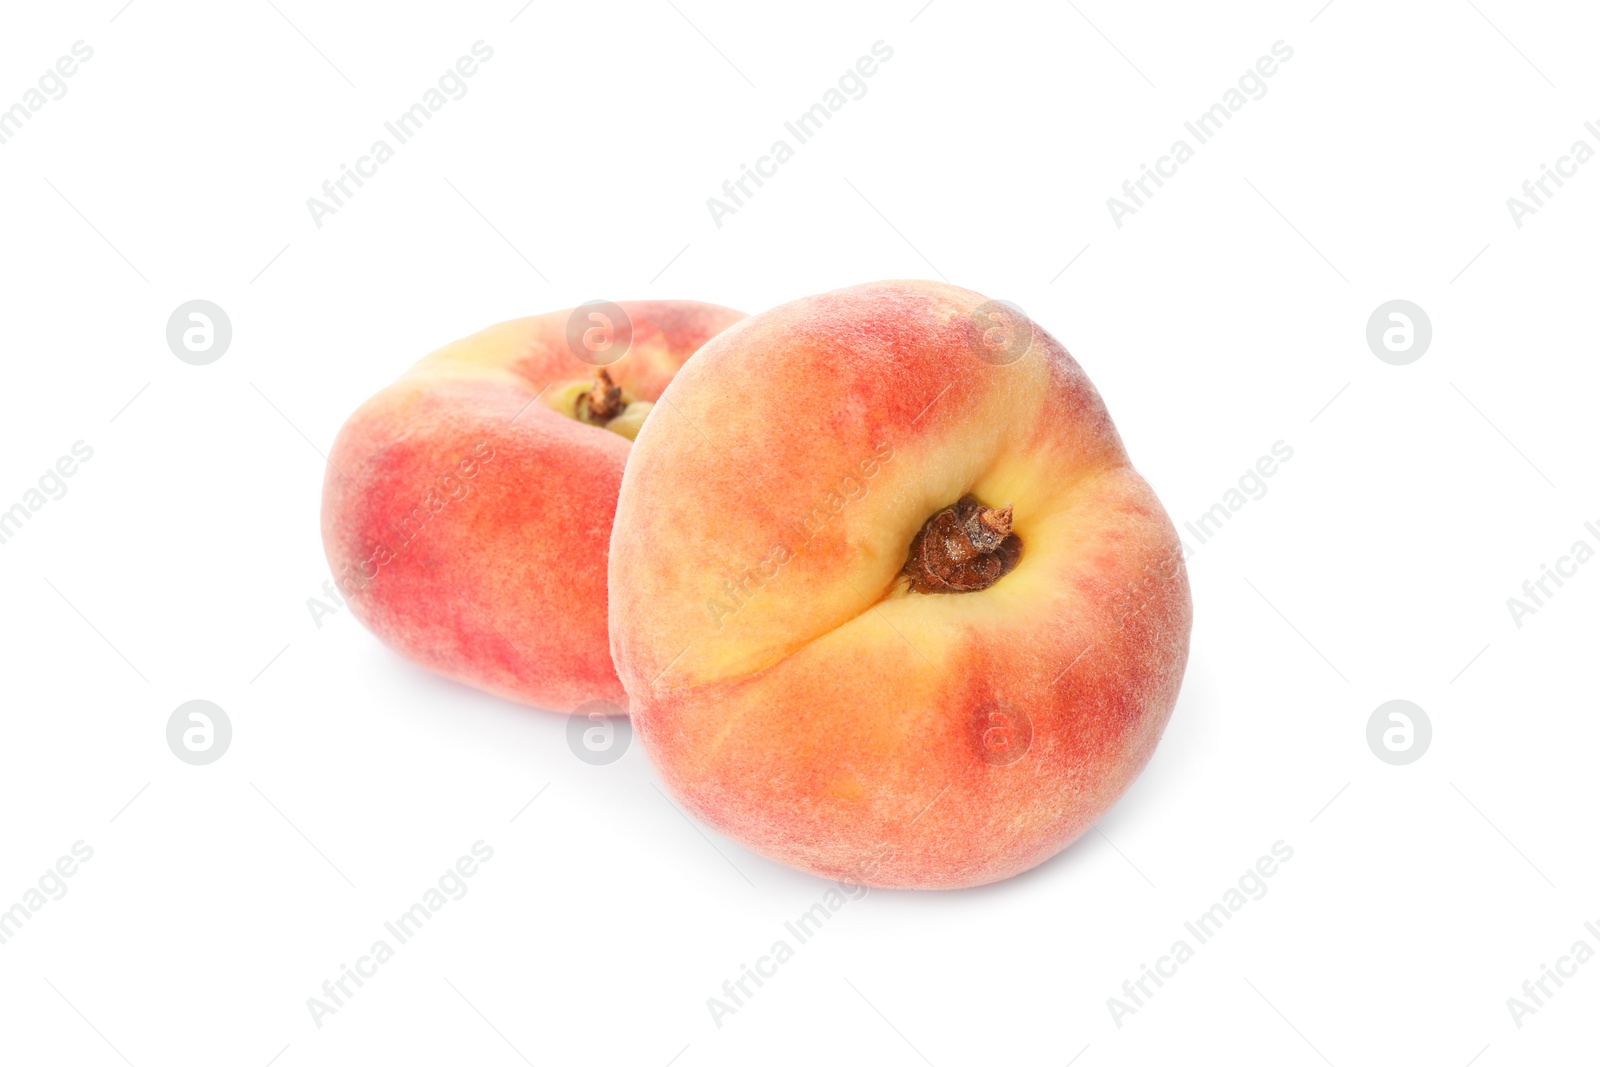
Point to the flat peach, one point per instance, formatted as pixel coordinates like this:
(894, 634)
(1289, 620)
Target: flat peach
(467, 507)
(814, 679)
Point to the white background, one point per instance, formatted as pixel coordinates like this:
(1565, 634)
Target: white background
(1226, 315)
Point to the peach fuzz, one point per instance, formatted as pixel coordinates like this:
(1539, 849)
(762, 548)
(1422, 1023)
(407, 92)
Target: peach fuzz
(791, 687)
(467, 507)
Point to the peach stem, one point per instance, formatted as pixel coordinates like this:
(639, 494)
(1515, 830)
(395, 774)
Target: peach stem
(604, 401)
(962, 549)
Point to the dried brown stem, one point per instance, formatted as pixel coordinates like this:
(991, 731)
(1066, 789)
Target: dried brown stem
(602, 403)
(962, 549)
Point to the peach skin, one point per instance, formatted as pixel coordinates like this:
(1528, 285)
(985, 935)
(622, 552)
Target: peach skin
(890, 602)
(467, 507)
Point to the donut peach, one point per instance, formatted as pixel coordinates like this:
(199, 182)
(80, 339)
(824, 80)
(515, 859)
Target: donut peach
(891, 604)
(467, 507)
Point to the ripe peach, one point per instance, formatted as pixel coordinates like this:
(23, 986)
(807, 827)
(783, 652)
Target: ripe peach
(891, 604)
(467, 507)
